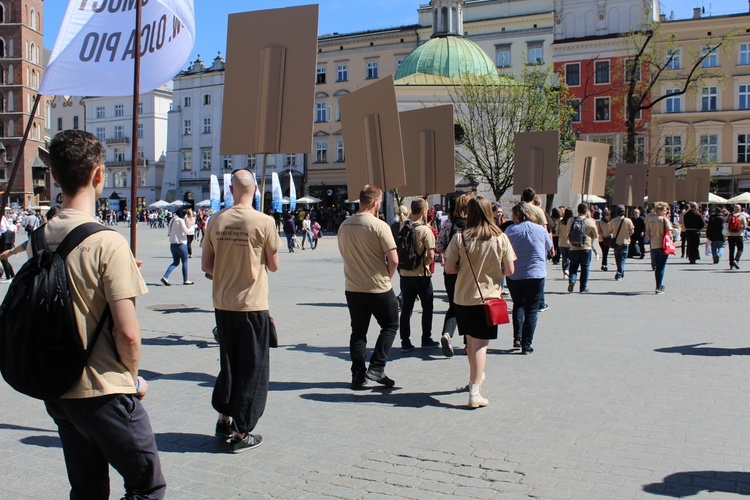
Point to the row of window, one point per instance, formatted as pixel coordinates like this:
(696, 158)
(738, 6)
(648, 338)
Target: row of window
(602, 110)
(187, 101)
(342, 72)
(321, 151)
(101, 132)
(228, 160)
(119, 110)
(121, 177)
(534, 54)
(187, 126)
(75, 123)
(709, 99)
(708, 148)
(33, 18)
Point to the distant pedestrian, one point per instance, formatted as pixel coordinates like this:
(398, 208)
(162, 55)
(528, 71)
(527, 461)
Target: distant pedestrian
(736, 226)
(656, 226)
(290, 231)
(307, 234)
(177, 230)
(637, 248)
(562, 242)
(604, 228)
(622, 230)
(191, 226)
(581, 236)
(715, 235)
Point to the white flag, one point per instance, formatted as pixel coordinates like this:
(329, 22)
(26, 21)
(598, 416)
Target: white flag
(215, 193)
(228, 198)
(292, 193)
(95, 48)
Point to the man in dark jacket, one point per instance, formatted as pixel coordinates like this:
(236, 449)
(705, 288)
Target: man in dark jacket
(637, 246)
(694, 223)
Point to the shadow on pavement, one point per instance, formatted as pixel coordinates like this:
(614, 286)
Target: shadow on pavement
(697, 350)
(383, 395)
(43, 441)
(322, 304)
(203, 379)
(686, 484)
(12, 427)
(179, 442)
(177, 308)
(177, 340)
(335, 352)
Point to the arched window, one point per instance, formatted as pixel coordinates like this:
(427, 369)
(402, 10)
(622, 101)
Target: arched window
(10, 74)
(2, 47)
(10, 101)
(32, 19)
(2, 76)
(2, 13)
(9, 149)
(2, 103)
(444, 20)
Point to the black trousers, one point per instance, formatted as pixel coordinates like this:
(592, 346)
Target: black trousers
(693, 245)
(736, 246)
(241, 389)
(97, 432)
(411, 288)
(449, 323)
(362, 306)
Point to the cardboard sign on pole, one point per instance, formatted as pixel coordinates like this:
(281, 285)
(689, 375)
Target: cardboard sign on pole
(680, 190)
(630, 184)
(660, 184)
(372, 134)
(590, 168)
(697, 185)
(536, 162)
(269, 94)
(429, 155)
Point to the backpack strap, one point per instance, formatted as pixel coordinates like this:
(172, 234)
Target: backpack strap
(77, 235)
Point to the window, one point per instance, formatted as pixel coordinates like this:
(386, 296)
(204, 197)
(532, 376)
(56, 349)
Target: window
(187, 101)
(100, 133)
(630, 67)
(59, 124)
(342, 73)
(672, 149)
(640, 149)
(119, 131)
(119, 154)
(187, 128)
(743, 148)
(119, 110)
(100, 111)
(270, 160)
(206, 163)
(534, 53)
(227, 162)
(187, 160)
(709, 98)
(502, 56)
(121, 179)
(709, 148)
(140, 131)
(321, 112)
(575, 105)
(106, 180)
(141, 177)
(711, 58)
(372, 70)
(601, 72)
(399, 62)
(206, 99)
(673, 104)
(744, 93)
(207, 125)
(340, 150)
(321, 151)
(291, 160)
(320, 74)
(674, 59)
(140, 108)
(573, 74)
(252, 161)
(744, 53)
(75, 122)
(601, 105)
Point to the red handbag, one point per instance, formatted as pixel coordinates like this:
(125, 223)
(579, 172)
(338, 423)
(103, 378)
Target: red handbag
(667, 243)
(495, 310)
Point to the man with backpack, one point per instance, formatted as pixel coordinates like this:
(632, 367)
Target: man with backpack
(736, 225)
(581, 234)
(416, 251)
(100, 419)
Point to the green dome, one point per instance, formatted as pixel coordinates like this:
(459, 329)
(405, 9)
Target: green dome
(445, 59)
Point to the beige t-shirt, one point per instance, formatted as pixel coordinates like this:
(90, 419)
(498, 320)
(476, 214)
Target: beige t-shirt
(539, 216)
(655, 229)
(562, 235)
(487, 258)
(623, 238)
(240, 238)
(101, 269)
(425, 242)
(363, 242)
(591, 233)
(604, 229)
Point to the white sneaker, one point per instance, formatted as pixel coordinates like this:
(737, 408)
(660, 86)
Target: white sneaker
(7, 281)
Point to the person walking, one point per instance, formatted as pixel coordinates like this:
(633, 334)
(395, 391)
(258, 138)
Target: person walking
(693, 224)
(241, 246)
(290, 231)
(715, 234)
(178, 246)
(657, 225)
(736, 226)
(191, 226)
(100, 420)
(485, 252)
(7, 242)
(307, 233)
(622, 230)
(370, 259)
(531, 244)
(562, 241)
(637, 248)
(604, 228)
(581, 235)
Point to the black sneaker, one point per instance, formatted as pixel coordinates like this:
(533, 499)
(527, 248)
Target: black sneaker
(571, 286)
(543, 307)
(407, 346)
(585, 290)
(527, 350)
(358, 382)
(516, 343)
(445, 343)
(380, 378)
(250, 441)
(429, 343)
(223, 429)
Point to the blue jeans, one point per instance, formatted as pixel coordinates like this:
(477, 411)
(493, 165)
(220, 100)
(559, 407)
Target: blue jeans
(717, 250)
(289, 241)
(580, 258)
(526, 295)
(411, 287)
(565, 258)
(659, 262)
(307, 236)
(621, 255)
(179, 253)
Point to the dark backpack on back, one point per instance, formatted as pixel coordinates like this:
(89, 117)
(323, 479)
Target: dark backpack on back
(406, 243)
(577, 235)
(41, 351)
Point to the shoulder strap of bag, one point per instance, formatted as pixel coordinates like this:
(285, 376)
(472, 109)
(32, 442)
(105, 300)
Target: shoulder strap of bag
(618, 229)
(77, 235)
(466, 250)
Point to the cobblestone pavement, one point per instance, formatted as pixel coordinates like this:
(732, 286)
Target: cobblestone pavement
(628, 395)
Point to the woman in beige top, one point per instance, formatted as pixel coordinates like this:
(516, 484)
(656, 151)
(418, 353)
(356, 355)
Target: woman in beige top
(604, 228)
(490, 257)
(190, 223)
(563, 243)
(656, 224)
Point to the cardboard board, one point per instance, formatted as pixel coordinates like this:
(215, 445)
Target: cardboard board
(630, 184)
(590, 168)
(536, 162)
(661, 184)
(269, 93)
(680, 192)
(697, 185)
(372, 135)
(429, 155)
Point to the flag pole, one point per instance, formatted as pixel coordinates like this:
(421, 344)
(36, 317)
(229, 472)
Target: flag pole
(19, 154)
(134, 155)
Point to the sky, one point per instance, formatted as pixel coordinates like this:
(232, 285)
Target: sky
(342, 16)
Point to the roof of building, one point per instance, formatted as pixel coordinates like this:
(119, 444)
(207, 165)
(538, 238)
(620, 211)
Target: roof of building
(445, 59)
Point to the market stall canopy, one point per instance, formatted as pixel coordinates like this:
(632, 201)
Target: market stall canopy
(715, 198)
(742, 198)
(309, 199)
(159, 204)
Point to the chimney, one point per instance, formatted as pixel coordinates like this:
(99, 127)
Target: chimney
(696, 13)
(663, 17)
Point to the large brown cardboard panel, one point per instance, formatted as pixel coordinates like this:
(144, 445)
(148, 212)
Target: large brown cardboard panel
(630, 184)
(372, 134)
(590, 168)
(680, 190)
(429, 154)
(269, 81)
(697, 185)
(660, 184)
(536, 162)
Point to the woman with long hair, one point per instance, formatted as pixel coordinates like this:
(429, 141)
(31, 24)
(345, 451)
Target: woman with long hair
(177, 231)
(190, 223)
(604, 228)
(485, 252)
(563, 244)
(656, 226)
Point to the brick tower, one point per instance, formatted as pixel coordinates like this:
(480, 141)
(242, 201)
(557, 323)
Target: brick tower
(21, 67)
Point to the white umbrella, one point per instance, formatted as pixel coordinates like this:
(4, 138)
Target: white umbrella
(715, 198)
(203, 204)
(285, 200)
(592, 198)
(177, 203)
(742, 198)
(309, 199)
(159, 204)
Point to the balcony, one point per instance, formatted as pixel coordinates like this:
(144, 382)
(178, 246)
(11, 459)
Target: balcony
(117, 140)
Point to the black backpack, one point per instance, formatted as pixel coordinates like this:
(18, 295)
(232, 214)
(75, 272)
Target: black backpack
(577, 235)
(406, 243)
(41, 351)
